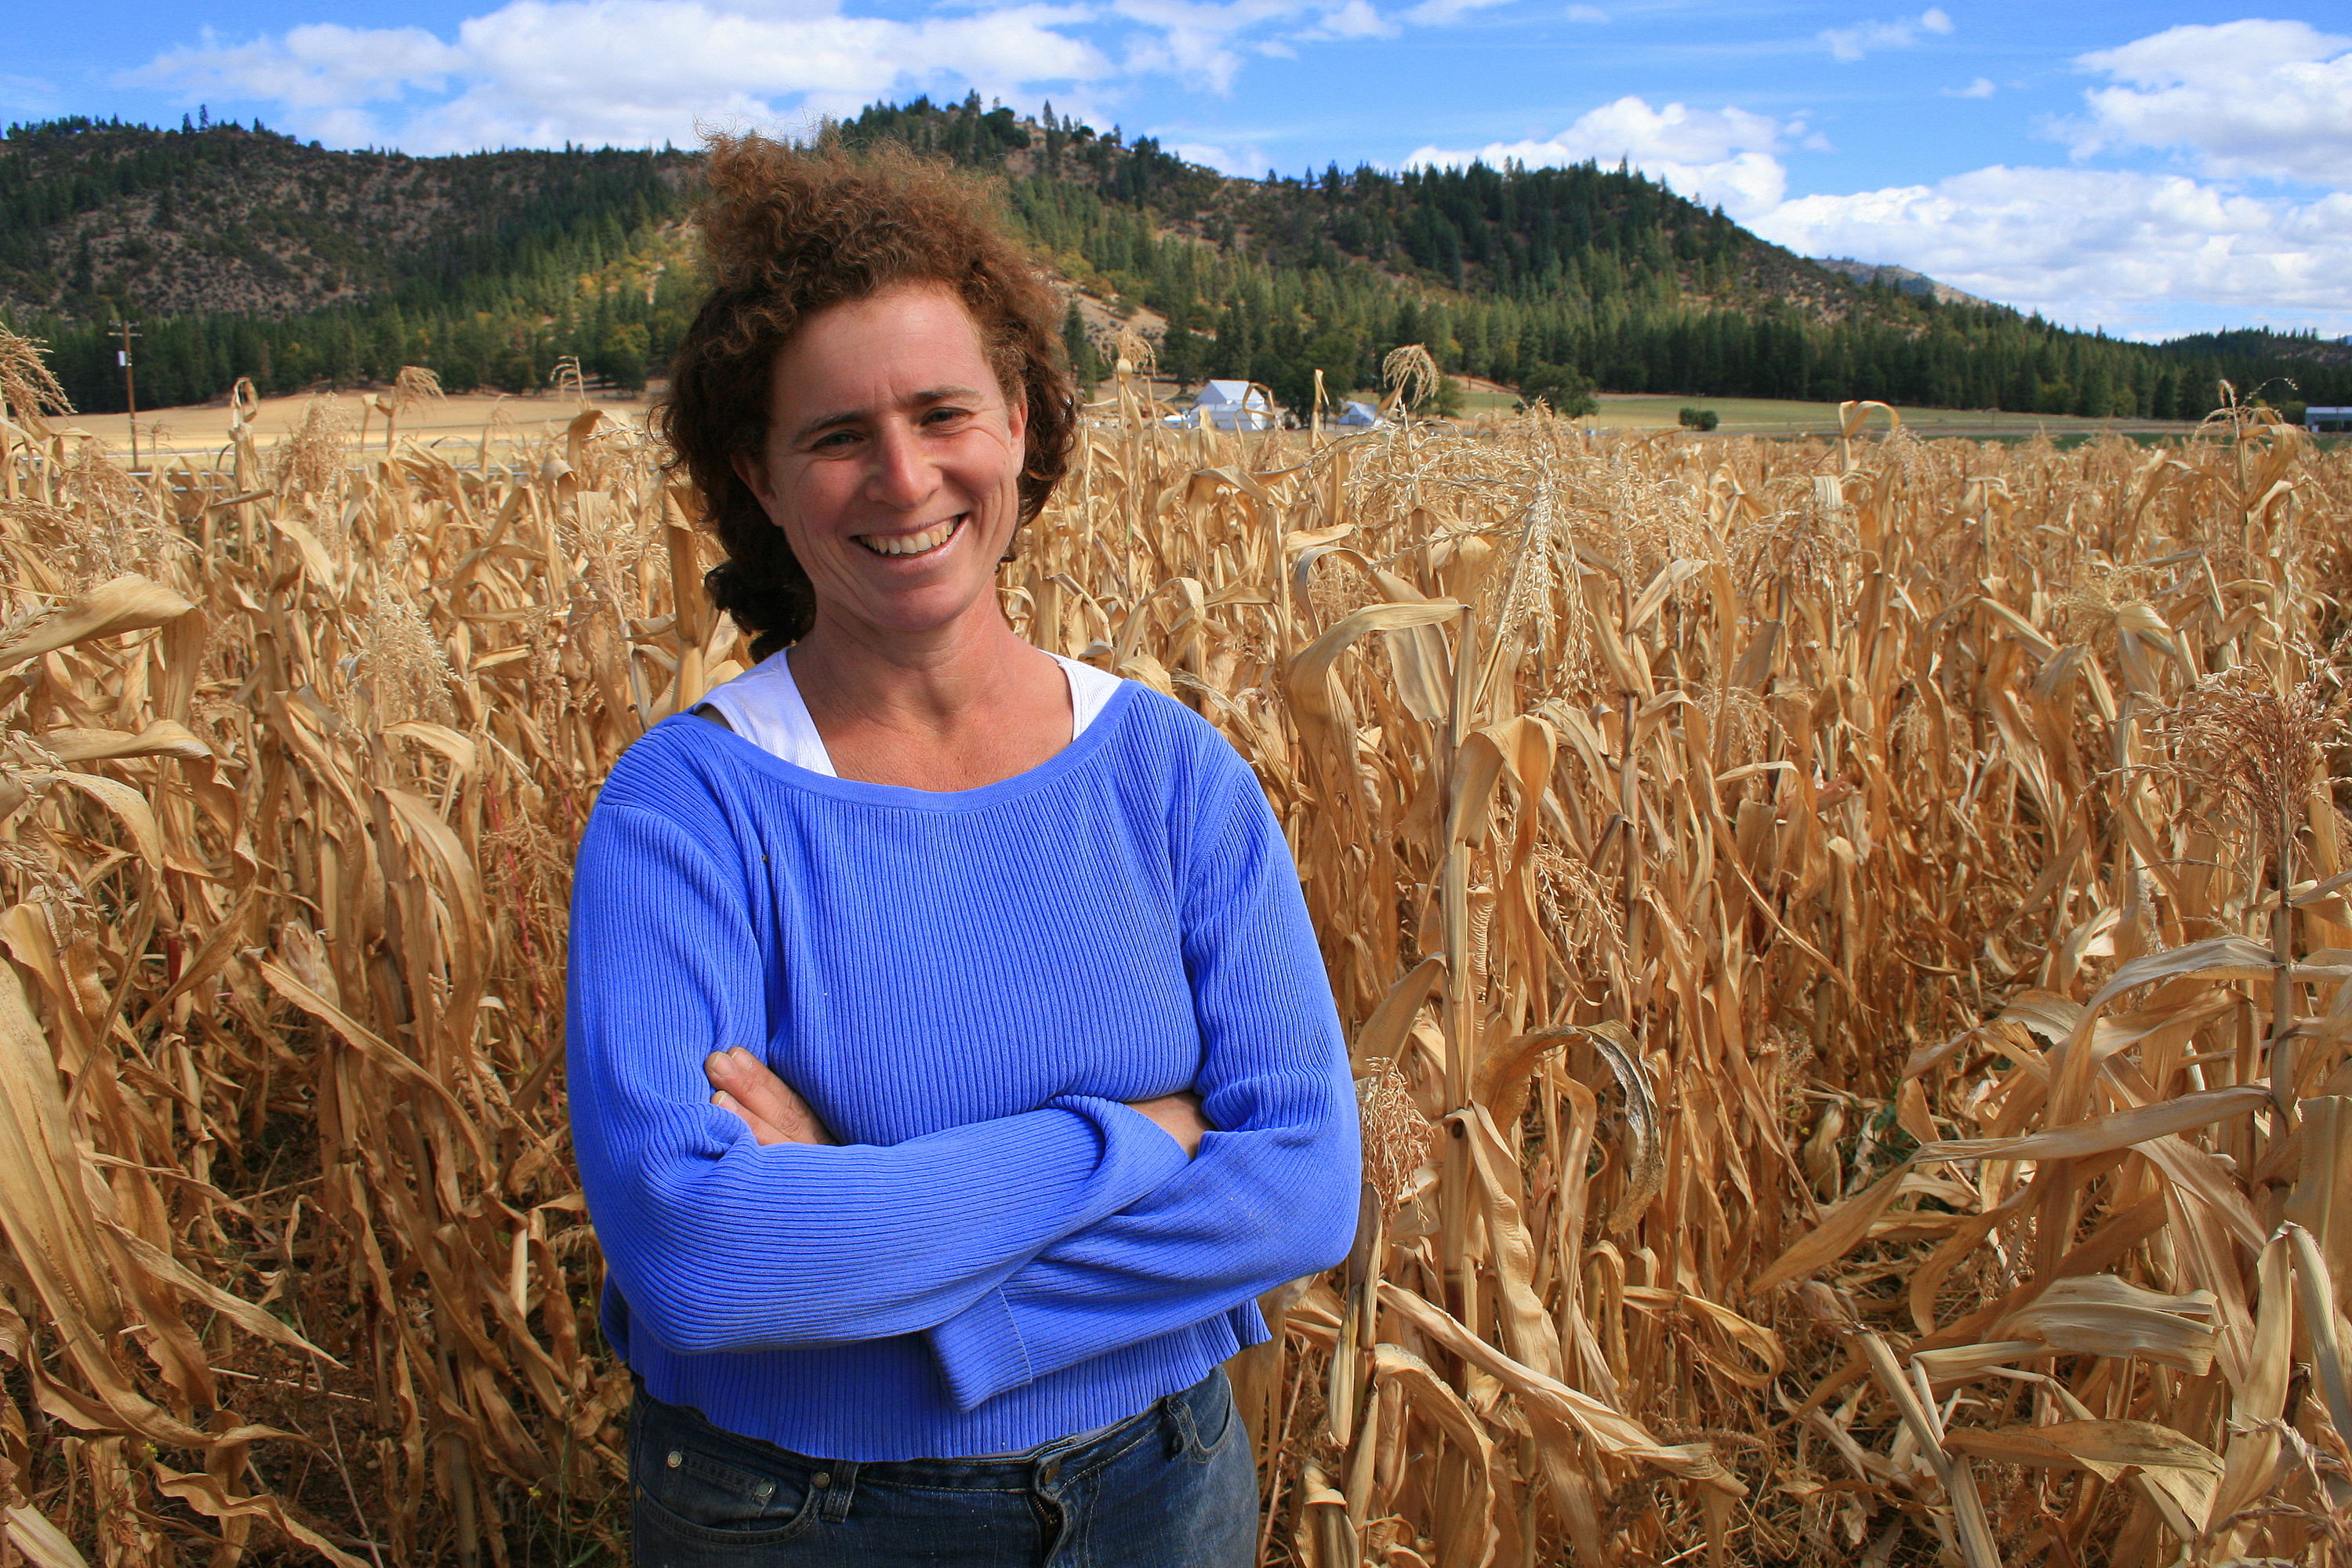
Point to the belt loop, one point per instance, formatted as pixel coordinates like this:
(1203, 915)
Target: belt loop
(836, 1507)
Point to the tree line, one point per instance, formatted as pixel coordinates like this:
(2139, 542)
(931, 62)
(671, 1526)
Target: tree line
(488, 268)
(616, 304)
(1556, 277)
(1605, 273)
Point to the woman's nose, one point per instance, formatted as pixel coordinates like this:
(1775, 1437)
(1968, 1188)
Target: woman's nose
(902, 475)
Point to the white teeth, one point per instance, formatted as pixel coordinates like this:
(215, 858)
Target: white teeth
(911, 543)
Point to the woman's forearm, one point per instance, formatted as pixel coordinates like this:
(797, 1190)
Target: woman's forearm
(720, 1244)
(1270, 1202)
(777, 1113)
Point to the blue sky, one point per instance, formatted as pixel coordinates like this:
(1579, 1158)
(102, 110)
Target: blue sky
(2150, 169)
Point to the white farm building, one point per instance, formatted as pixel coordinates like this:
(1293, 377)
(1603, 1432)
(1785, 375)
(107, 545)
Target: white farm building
(1228, 405)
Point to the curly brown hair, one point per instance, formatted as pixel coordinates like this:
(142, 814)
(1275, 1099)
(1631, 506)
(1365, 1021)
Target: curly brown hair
(787, 232)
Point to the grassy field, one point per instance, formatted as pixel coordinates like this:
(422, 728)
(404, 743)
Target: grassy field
(1781, 417)
(1844, 945)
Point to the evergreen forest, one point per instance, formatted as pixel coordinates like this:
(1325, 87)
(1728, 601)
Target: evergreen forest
(241, 252)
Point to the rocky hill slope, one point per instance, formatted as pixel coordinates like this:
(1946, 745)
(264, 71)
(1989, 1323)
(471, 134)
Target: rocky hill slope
(95, 219)
(245, 253)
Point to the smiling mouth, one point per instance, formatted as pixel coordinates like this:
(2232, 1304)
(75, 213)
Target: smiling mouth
(932, 538)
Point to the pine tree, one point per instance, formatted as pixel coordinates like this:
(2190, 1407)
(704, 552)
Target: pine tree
(1086, 364)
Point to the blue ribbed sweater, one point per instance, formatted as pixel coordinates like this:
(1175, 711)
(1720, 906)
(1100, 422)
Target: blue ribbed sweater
(966, 987)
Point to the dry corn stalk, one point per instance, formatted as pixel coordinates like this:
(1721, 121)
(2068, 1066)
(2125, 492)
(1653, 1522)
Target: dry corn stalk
(1836, 1075)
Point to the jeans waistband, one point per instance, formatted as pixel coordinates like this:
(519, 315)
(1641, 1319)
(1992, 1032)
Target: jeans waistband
(1030, 1456)
(1174, 1415)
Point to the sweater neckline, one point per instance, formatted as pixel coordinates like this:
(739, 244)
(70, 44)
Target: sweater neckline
(905, 797)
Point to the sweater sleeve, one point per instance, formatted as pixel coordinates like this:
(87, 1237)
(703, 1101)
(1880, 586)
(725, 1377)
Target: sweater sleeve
(1271, 1196)
(719, 1244)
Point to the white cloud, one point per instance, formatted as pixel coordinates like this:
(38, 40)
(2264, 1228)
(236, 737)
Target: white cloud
(1202, 41)
(1709, 155)
(1980, 88)
(1248, 164)
(535, 71)
(1438, 12)
(1357, 20)
(320, 65)
(629, 71)
(2139, 253)
(2261, 99)
(27, 95)
(1851, 43)
(1587, 13)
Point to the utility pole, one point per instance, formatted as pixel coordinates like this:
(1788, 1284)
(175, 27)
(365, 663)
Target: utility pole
(127, 330)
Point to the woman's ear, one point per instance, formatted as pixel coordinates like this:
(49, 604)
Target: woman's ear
(754, 474)
(1016, 416)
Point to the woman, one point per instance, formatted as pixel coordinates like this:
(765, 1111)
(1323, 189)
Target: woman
(951, 1059)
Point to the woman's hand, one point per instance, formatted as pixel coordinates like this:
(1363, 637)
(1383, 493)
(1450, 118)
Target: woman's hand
(772, 1109)
(1179, 1114)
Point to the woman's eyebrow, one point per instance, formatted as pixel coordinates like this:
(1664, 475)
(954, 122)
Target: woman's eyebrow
(923, 399)
(826, 422)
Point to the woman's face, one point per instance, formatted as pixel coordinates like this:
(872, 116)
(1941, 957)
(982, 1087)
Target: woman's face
(893, 462)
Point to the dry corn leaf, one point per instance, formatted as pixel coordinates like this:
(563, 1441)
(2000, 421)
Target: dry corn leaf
(163, 737)
(2117, 1130)
(1435, 1399)
(1611, 1430)
(128, 604)
(2321, 1202)
(43, 1543)
(1840, 1231)
(2104, 1446)
(2099, 1314)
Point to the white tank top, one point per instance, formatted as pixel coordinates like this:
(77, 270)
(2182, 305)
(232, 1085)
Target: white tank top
(763, 705)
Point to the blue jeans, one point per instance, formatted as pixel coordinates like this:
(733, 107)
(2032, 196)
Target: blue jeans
(1172, 1488)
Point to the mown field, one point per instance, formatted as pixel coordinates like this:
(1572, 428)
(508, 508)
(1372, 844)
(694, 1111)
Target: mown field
(461, 427)
(1844, 942)
(1794, 416)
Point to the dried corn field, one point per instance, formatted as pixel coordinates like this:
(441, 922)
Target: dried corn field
(1846, 947)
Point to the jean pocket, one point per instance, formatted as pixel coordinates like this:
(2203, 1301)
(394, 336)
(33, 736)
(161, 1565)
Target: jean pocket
(1211, 1419)
(688, 1492)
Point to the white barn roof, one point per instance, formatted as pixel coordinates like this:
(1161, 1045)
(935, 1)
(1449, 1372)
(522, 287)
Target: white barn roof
(1229, 394)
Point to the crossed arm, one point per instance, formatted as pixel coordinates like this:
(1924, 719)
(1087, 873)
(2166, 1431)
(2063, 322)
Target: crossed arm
(775, 1113)
(743, 1230)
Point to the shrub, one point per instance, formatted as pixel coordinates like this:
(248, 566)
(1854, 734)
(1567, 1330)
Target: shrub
(1568, 389)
